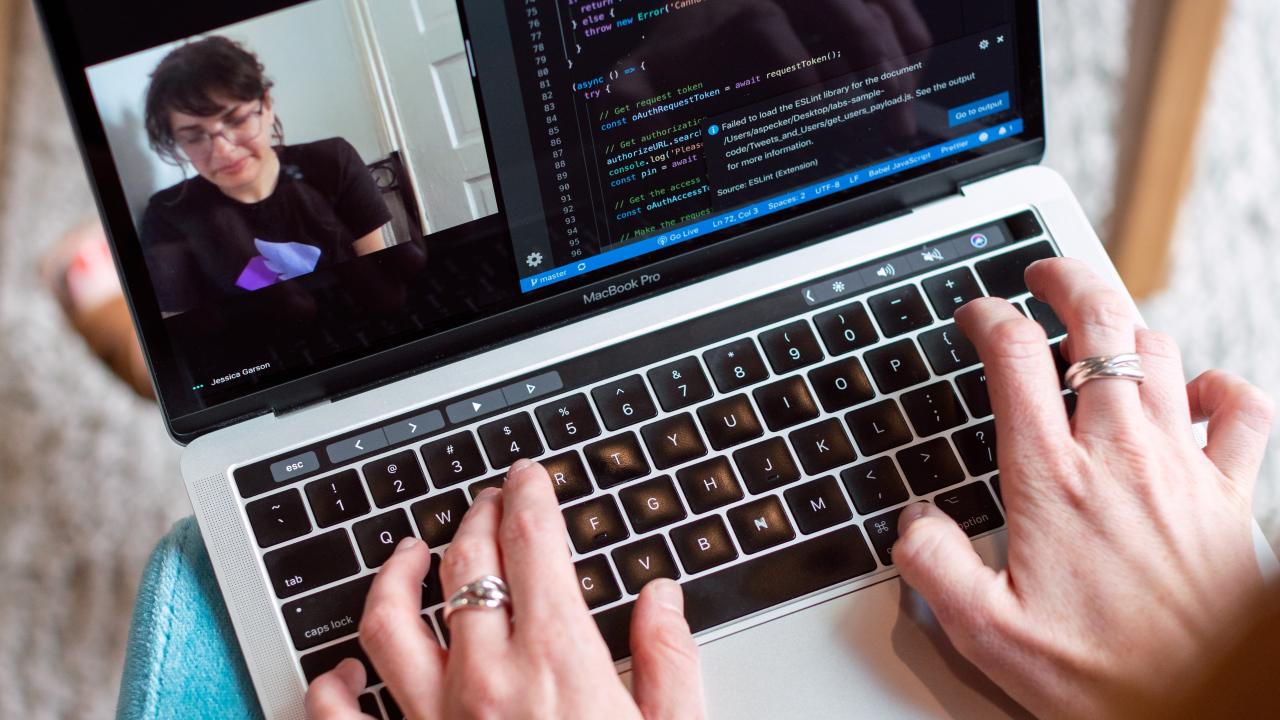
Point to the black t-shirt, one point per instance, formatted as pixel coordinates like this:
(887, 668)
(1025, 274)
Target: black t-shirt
(202, 247)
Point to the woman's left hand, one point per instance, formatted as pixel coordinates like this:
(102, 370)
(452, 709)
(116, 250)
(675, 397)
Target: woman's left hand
(550, 663)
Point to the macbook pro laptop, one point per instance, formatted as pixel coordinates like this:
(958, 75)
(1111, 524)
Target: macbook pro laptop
(699, 257)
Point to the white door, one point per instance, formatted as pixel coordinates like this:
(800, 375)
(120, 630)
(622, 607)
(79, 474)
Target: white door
(428, 90)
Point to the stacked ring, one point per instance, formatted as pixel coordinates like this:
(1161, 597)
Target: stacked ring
(1126, 366)
(488, 592)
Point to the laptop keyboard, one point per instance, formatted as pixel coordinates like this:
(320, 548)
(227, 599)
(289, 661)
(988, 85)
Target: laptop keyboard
(755, 467)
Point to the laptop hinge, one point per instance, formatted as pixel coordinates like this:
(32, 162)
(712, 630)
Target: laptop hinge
(282, 412)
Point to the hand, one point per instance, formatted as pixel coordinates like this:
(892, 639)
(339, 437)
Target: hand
(549, 663)
(1130, 551)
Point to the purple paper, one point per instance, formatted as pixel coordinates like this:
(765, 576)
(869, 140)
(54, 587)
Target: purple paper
(256, 275)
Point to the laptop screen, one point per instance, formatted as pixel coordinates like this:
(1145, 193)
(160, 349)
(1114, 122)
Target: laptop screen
(294, 187)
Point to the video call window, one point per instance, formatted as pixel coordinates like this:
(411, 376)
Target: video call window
(254, 154)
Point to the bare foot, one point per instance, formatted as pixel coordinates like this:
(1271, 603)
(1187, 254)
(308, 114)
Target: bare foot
(80, 273)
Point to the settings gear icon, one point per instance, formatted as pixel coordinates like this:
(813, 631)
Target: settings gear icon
(534, 259)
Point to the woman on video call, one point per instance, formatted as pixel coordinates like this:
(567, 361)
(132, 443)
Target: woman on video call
(258, 211)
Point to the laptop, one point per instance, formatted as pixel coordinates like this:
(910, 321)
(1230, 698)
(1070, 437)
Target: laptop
(699, 257)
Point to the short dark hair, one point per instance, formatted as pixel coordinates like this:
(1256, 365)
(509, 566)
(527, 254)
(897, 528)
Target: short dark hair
(188, 77)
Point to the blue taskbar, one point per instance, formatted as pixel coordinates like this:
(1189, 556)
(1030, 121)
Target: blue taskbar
(774, 204)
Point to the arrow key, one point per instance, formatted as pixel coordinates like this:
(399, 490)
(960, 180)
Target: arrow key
(363, 444)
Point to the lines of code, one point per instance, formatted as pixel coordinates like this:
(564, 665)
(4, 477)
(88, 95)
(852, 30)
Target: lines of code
(657, 114)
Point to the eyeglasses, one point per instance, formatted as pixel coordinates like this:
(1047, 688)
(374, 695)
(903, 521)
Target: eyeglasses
(240, 129)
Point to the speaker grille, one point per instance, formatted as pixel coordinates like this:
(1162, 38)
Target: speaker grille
(276, 680)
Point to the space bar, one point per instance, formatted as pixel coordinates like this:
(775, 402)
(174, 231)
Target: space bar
(755, 585)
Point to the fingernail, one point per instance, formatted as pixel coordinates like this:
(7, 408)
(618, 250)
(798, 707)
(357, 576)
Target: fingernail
(520, 464)
(668, 594)
(489, 493)
(911, 514)
(406, 544)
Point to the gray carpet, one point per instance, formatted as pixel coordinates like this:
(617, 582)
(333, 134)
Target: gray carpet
(88, 478)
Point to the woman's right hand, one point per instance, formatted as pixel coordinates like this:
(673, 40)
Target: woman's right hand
(1130, 549)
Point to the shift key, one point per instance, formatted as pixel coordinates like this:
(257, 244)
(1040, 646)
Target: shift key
(307, 565)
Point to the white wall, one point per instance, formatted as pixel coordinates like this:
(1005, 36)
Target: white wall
(322, 89)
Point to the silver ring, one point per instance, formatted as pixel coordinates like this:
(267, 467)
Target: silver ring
(489, 592)
(1126, 366)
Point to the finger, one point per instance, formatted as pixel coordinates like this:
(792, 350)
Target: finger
(667, 676)
(399, 644)
(1164, 394)
(544, 587)
(1100, 321)
(1240, 417)
(472, 555)
(1022, 380)
(332, 696)
(935, 557)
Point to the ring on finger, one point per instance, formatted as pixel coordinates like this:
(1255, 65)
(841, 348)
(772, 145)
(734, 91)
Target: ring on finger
(488, 593)
(1125, 366)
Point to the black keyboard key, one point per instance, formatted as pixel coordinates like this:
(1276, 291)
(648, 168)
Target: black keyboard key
(709, 484)
(1048, 319)
(874, 485)
(757, 584)
(595, 524)
(790, 347)
(595, 577)
(453, 459)
(822, 446)
(883, 531)
(817, 505)
(760, 524)
(509, 439)
(842, 384)
(766, 465)
(326, 615)
(897, 366)
(278, 518)
(846, 329)
(652, 504)
(369, 706)
(645, 560)
(624, 402)
(1060, 364)
(948, 350)
(995, 487)
(950, 290)
(703, 544)
(729, 422)
(785, 403)
(930, 466)
(673, 441)
(567, 421)
(432, 588)
(879, 427)
(933, 408)
(900, 310)
(393, 708)
(395, 478)
(616, 460)
(438, 517)
(568, 476)
(337, 498)
(972, 507)
(735, 365)
(321, 661)
(310, 563)
(977, 446)
(1004, 275)
(377, 536)
(973, 386)
(680, 384)
(480, 486)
